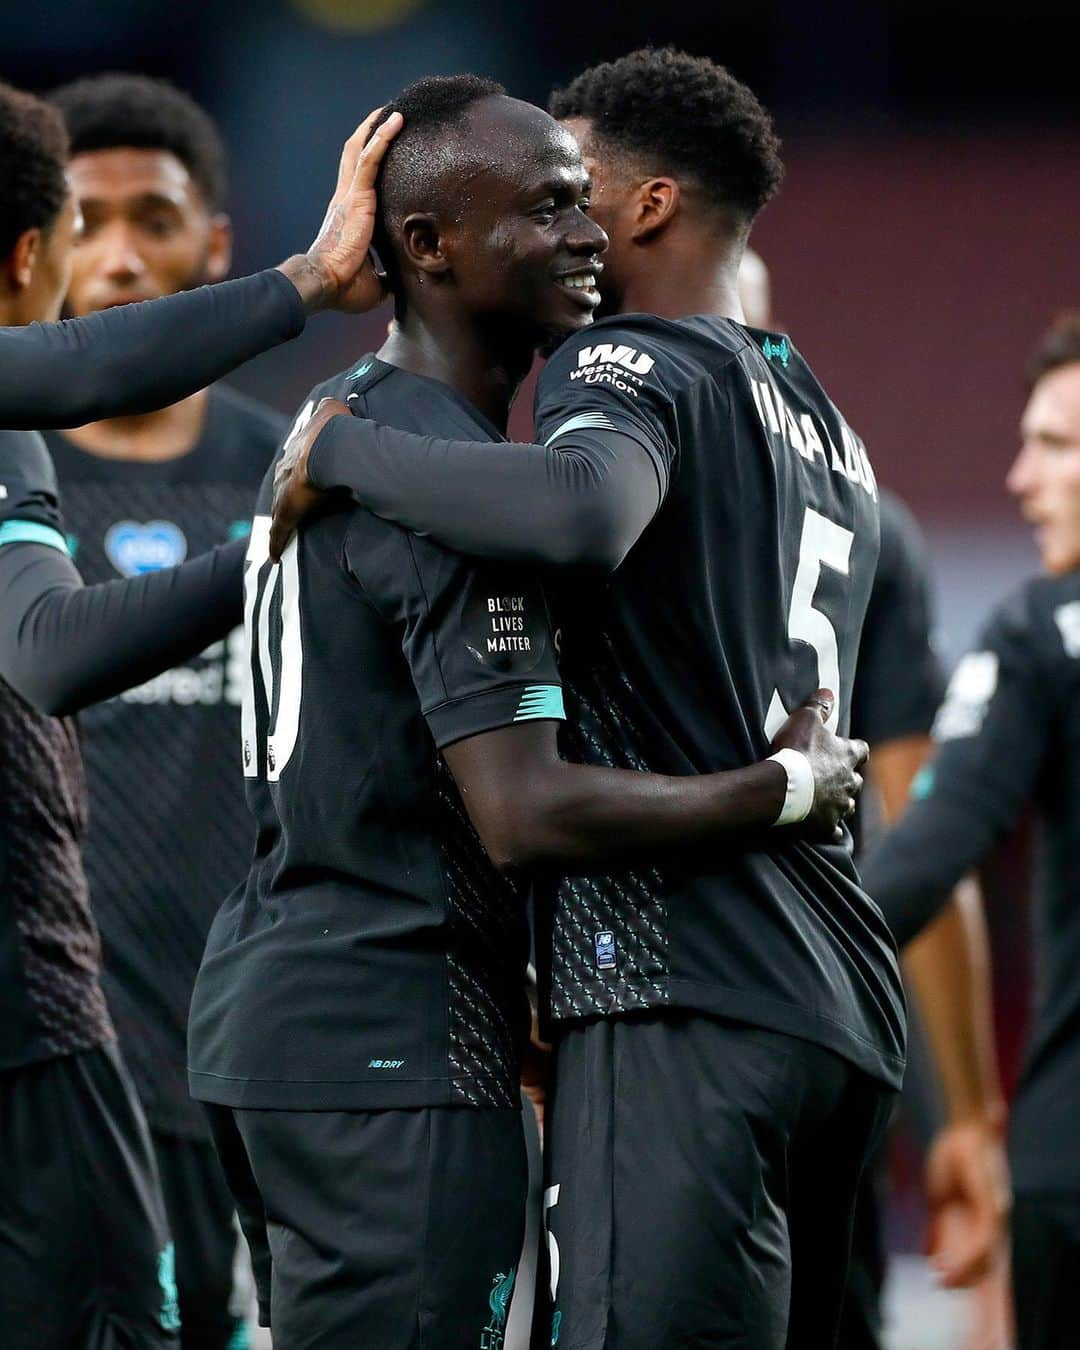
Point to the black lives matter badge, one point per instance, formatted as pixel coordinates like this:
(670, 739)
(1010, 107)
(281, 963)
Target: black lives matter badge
(506, 626)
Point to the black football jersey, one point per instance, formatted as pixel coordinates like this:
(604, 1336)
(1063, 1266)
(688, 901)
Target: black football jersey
(746, 593)
(1008, 736)
(899, 681)
(51, 1002)
(373, 958)
(170, 833)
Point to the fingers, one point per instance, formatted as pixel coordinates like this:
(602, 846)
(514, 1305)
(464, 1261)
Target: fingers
(352, 148)
(367, 165)
(822, 702)
(862, 752)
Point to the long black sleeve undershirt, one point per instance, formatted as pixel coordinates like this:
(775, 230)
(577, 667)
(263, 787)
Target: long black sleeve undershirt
(583, 500)
(64, 645)
(914, 870)
(135, 358)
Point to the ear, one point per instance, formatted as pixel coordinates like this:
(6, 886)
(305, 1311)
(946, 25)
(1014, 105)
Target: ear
(657, 202)
(422, 245)
(23, 259)
(219, 252)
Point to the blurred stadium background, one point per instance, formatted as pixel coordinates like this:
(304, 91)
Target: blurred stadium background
(924, 237)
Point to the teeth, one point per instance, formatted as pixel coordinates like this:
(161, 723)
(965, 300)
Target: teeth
(585, 282)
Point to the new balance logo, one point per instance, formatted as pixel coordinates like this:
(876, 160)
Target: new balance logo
(605, 354)
(386, 1064)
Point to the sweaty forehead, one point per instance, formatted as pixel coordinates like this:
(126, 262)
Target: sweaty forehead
(517, 143)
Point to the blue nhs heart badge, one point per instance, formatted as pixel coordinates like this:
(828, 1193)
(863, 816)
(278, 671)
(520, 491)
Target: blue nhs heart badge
(134, 549)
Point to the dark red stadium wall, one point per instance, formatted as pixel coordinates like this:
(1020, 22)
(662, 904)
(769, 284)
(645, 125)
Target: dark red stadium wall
(916, 274)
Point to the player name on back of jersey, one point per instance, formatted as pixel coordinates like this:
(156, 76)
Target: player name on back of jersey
(808, 436)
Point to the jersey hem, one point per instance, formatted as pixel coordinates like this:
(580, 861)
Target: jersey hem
(773, 1015)
(344, 1096)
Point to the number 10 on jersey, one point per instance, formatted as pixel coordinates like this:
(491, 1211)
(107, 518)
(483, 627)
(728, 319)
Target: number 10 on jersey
(277, 656)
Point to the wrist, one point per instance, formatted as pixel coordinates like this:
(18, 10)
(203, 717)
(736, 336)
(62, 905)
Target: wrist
(799, 790)
(991, 1117)
(316, 290)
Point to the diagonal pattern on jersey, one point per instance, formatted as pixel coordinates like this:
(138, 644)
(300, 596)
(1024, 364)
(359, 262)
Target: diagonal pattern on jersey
(486, 957)
(41, 786)
(601, 730)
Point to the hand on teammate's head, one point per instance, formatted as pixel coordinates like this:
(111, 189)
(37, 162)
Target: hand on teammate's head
(337, 271)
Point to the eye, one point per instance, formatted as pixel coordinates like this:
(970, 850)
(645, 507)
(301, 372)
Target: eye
(159, 226)
(544, 211)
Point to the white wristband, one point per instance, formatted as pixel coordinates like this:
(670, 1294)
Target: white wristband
(799, 797)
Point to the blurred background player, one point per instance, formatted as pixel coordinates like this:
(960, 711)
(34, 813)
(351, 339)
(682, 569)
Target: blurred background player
(898, 688)
(170, 832)
(1007, 737)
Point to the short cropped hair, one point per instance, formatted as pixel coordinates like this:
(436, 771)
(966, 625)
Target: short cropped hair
(682, 114)
(1059, 346)
(417, 166)
(107, 112)
(33, 154)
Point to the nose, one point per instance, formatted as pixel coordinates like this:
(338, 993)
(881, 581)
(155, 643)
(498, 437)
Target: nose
(1021, 476)
(584, 236)
(120, 259)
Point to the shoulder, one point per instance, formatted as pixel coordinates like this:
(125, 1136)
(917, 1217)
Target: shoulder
(903, 546)
(641, 348)
(245, 435)
(1037, 625)
(25, 456)
(259, 419)
(1050, 607)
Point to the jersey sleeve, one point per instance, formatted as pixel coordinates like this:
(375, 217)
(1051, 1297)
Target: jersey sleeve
(992, 734)
(899, 682)
(612, 378)
(477, 638)
(29, 496)
(135, 358)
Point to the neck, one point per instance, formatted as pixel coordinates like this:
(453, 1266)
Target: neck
(683, 273)
(147, 437)
(483, 364)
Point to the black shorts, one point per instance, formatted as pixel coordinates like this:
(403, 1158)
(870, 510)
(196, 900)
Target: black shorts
(700, 1184)
(398, 1229)
(203, 1224)
(85, 1257)
(1046, 1269)
(861, 1317)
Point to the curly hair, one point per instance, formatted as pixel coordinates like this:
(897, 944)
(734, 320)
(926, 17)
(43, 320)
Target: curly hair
(1058, 346)
(105, 112)
(33, 153)
(682, 113)
(418, 163)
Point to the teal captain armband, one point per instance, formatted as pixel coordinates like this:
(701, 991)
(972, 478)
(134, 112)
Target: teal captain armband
(30, 532)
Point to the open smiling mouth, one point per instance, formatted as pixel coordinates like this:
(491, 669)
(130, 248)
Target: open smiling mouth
(583, 287)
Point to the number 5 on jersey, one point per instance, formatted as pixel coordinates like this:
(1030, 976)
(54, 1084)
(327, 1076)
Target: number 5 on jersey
(274, 651)
(822, 541)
